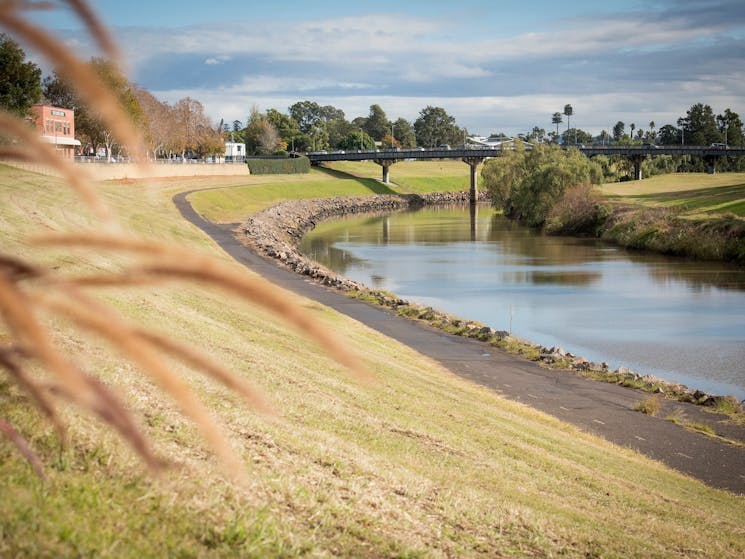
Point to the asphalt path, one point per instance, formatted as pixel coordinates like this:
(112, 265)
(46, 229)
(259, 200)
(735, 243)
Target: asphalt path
(596, 407)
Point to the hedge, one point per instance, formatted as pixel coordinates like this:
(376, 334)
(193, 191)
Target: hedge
(278, 166)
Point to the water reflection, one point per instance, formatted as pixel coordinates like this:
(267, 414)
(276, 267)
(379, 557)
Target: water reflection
(681, 320)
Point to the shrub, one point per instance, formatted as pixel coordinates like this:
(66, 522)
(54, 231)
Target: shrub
(526, 184)
(579, 211)
(278, 166)
(649, 406)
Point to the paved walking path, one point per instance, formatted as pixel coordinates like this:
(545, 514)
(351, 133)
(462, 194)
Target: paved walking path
(600, 408)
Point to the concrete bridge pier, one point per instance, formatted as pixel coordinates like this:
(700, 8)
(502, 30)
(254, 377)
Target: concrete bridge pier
(637, 160)
(386, 165)
(473, 163)
(711, 164)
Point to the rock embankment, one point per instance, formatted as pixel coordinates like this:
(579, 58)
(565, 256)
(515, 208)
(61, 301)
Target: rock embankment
(276, 232)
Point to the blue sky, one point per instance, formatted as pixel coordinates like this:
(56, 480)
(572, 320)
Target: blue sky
(494, 65)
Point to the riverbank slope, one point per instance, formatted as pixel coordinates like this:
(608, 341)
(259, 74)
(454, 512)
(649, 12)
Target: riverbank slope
(421, 463)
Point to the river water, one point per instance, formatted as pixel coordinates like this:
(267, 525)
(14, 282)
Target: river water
(680, 320)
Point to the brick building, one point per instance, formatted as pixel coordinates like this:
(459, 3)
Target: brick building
(57, 126)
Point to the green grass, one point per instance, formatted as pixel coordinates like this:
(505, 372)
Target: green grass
(419, 464)
(259, 192)
(693, 194)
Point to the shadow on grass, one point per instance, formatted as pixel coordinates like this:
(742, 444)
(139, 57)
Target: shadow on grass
(373, 185)
(719, 198)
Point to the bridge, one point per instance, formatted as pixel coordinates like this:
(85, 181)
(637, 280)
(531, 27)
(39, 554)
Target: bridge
(473, 155)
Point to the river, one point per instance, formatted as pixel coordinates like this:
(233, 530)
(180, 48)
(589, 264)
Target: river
(680, 320)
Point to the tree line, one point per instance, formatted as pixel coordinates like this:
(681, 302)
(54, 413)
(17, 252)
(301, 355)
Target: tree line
(182, 129)
(308, 126)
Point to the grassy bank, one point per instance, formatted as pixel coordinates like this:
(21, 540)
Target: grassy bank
(695, 215)
(419, 464)
(249, 195)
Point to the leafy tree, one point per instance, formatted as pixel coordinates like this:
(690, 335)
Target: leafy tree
(357, 140)
(668, 135)
(89, 128)
(699, 126)
(20, 82)
(730, 126)
(556, 119)
(436, 127)
(576, 136)
(404, 133)
(320, 125)
(337, 130)
(527, 184)
(537, 134)
(377, 124)
(288, 129)
(618, 130)
(58, 93)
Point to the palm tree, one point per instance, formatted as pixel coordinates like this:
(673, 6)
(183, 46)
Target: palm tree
(568, 112)
(633, 127)
(556, 119)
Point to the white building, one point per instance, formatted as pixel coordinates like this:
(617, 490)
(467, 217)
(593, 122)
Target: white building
(235, 151)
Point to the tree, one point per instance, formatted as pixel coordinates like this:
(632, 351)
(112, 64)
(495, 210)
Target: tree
(537, 134)
(357, 140)
(288, 129)
(651, 136)
(618, 130)
(568, 112)
(377, 124)
(436, 127)
(556, 119)
(194, 134)
(668, 135)
(730, 126)
(576, 136)
(307, 114)
(20, 82)
(89, 128)
(633, 127)
(159, 123)
(404, 133)
(699, 126)
(527, 184)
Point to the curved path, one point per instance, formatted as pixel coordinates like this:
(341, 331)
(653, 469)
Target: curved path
(596, 407)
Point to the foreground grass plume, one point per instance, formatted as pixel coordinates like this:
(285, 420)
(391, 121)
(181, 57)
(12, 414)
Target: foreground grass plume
(29, 291)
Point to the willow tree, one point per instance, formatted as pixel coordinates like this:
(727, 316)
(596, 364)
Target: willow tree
(527, 184)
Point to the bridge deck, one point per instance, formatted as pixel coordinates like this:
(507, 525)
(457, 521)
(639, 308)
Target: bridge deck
(483, 152)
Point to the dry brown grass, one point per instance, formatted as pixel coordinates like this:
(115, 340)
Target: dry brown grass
(30, 292)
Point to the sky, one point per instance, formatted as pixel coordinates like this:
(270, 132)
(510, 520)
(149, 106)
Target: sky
(496, 66)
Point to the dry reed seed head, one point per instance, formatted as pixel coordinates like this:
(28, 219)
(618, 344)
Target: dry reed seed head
(203, 363)
(9, 358)
(179, 264)
(97, 318)
(15, 269)
(96, 28)
(23, 447)
(45, 154)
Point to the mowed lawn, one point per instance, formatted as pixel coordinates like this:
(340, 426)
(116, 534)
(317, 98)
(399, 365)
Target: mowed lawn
(693, 194)
(258, 192)
(419, 463)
